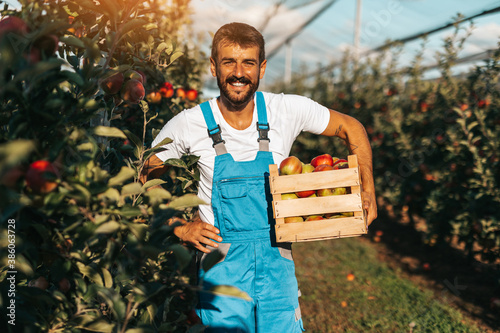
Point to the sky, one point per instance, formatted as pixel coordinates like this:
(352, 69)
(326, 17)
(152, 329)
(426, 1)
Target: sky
(326, 38)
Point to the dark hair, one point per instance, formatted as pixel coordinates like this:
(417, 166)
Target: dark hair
(240, 34)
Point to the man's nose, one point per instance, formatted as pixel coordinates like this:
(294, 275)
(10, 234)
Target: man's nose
(238, 70)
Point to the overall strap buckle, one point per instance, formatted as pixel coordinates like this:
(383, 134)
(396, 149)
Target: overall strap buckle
(263, 130)
(216, 135)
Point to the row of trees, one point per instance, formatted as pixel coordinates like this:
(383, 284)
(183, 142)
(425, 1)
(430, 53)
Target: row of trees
(435, 142)
(87, 247)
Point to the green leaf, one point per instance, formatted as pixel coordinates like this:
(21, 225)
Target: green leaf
(111, 194)
(181, 254)
(157, 196)
(175, 56)
(14, 152)
(123, 175)
(72, 41)
(90, 273)
(225, 290)
(187, 200)
(152, 182)
(163, 142)
(107, 227)
(137, 142)
(176, 162)
(108, 278)
(131, 189)
(139, 230)
(109, 132)
(130, 25)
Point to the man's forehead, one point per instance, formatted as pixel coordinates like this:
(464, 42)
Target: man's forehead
(227, 46)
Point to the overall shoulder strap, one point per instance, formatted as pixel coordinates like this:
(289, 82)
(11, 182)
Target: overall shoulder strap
(213, 129)
(262, 124)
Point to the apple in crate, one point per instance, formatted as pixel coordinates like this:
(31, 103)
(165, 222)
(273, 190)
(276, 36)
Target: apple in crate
(322, 159)
(314, 218)
(294, 219)
(290, 166)
(340, 164)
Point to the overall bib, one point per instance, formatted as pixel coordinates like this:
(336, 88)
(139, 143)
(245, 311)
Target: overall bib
(252, 261)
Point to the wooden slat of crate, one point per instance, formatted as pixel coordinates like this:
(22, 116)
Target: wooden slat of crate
(314, 180)
(318, 205)
(320, 229)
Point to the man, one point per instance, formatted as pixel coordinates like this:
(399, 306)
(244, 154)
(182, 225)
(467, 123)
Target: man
(237, 136)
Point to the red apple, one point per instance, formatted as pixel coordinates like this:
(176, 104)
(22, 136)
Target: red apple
(36, 179)
(143, 75)
(340, 160)
(166, 92)
(323, 167)
(181, 93)
(133, 91)
(41, 282)
(192, 94)
(112, 84)
(322, 159)
(290, 166)
(293, 219)
(341, 165)
(154, 97)
(13, 24)
(64, 285)
(305, 194)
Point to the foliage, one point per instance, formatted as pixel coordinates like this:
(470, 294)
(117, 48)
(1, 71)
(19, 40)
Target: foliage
(94, 252)
(435, 142)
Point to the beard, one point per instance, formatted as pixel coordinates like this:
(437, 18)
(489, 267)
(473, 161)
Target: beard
(237, 99)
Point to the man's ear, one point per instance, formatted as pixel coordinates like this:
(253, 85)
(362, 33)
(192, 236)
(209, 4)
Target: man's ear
(213, 67)
(263, 69)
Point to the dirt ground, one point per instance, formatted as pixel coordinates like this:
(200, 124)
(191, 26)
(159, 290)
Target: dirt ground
(466, 284)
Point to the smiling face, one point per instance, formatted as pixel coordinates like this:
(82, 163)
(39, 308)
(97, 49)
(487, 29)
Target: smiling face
(238, 73)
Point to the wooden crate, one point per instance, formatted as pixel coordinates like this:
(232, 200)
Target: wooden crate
(319, 229)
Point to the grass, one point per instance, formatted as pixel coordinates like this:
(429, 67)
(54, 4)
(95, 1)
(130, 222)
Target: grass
(376, 300)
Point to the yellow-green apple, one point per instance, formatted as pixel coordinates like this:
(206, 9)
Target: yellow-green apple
(314, 218)
(339, 191)
(289, 196)
(324, 192)
(322, 159)
(290, 166)
(36, 178)
(192, 94)
(293, 219)
(347, 214)
(307, 168)
(333, 215)
(112, 84)
(133, 91)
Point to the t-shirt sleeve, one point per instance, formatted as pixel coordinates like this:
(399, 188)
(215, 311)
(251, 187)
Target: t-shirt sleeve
(312, 116)
(176, 129)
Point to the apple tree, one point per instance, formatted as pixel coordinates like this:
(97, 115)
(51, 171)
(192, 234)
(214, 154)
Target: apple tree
(89, 247)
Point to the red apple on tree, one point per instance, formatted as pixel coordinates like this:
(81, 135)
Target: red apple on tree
(290, 166)
(36, 177)
(192, 94)
(13, 24)
(181, 93)
(112, 84)
(154, 97)
(322, 159)
(133, 75)
(133, 91)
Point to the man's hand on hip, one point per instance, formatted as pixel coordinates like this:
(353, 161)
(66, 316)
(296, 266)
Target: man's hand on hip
(198, 234)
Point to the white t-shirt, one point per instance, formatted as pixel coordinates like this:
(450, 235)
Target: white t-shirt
(288, 115)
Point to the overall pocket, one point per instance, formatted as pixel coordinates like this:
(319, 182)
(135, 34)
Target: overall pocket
(243, 204)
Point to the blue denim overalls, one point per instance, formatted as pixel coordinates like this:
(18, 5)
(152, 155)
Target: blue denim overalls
(253, 262)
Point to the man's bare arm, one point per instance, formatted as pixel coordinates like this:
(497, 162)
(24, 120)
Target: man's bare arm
(353, 133)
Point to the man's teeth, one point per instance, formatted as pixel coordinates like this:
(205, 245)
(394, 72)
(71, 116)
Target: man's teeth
(238, 84)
